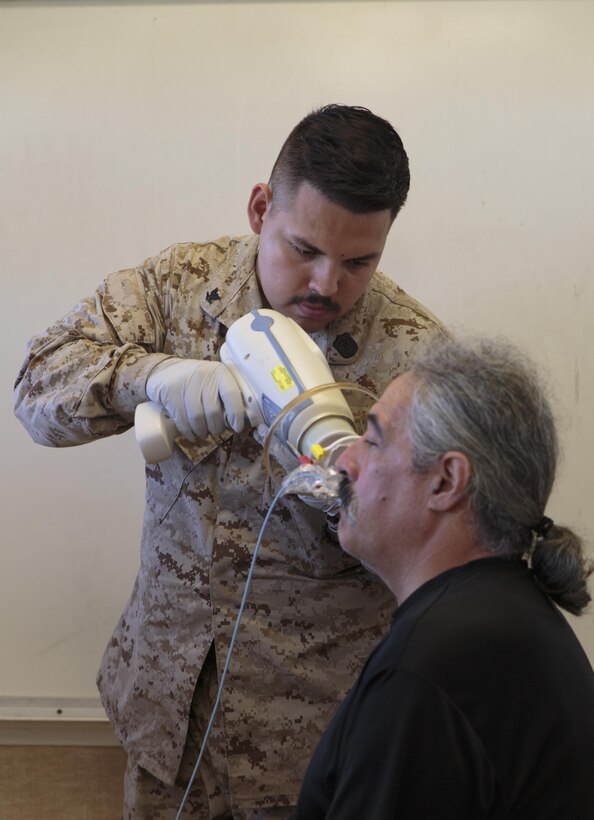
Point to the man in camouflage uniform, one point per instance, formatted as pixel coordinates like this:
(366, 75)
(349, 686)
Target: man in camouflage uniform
(313, 615)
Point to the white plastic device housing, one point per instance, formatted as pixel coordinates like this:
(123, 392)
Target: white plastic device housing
(274, 360)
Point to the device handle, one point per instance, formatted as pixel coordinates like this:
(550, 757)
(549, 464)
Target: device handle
(155, 432)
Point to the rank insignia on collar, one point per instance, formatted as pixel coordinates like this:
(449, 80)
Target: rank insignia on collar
(345, 345)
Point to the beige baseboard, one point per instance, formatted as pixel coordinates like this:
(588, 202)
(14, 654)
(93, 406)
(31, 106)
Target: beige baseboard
(56, 733)
(34, 721)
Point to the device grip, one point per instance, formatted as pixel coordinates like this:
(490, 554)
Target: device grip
(155, 432)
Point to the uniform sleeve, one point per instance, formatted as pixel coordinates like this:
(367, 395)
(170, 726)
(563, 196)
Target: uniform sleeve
(83, 377)
(401, 748)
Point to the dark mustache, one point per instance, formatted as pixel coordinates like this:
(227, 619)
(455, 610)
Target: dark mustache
(316, 299)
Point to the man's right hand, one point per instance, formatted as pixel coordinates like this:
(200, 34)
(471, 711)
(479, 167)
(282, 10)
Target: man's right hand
(200, 396)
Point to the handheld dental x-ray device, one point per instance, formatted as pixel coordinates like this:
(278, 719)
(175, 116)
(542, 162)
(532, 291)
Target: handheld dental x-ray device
(274, 363)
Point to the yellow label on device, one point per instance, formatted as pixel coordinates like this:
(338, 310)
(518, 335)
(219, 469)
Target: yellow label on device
(282, 378)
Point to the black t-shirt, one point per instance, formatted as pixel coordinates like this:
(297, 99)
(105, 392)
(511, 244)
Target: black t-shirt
(479, 703)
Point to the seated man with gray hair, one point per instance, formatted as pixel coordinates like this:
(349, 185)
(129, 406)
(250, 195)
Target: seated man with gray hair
(479, 702)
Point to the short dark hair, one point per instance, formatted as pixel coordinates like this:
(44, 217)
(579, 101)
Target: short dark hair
(351, 156)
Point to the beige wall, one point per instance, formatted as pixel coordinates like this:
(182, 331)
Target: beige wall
(126, 127)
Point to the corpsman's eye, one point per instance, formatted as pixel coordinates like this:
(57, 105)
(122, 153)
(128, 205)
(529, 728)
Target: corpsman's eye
(303, 251)
(358, 264)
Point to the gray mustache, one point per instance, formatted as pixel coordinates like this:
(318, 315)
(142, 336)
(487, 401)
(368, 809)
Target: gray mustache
(348, 502)
(345, 492)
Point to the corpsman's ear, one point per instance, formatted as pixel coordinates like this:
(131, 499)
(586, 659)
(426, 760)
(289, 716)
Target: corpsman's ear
(450, 481)
(258, 205)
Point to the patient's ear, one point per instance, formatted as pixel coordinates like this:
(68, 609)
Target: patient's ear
(451, 480)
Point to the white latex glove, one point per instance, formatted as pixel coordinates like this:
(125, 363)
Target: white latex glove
(201, 397)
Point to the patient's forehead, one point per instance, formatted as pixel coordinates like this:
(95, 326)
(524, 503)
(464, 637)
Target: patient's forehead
(390, 412)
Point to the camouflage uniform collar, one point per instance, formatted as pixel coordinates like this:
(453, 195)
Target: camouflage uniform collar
(347, 335)
(233, 288)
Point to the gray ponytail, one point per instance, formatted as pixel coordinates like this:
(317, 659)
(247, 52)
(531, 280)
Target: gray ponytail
(558, 562)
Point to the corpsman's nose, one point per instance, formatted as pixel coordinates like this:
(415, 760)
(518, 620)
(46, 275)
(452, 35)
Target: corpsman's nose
(324, 280)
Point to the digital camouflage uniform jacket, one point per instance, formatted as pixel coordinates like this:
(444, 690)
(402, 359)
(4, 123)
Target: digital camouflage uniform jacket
(313, 612)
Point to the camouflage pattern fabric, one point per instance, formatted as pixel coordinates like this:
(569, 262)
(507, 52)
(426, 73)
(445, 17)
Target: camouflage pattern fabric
(314, 613)
(147, 798)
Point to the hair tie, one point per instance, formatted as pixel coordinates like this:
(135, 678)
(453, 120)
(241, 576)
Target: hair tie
(542, 528)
